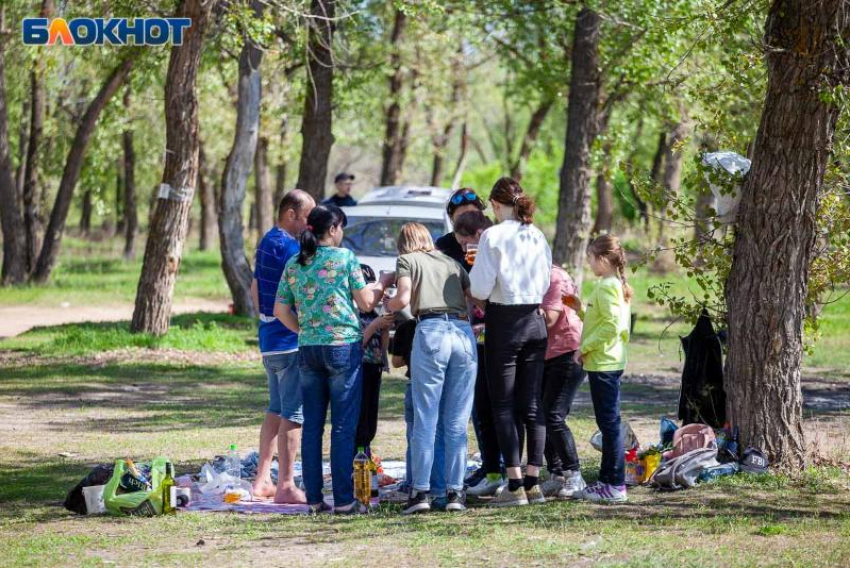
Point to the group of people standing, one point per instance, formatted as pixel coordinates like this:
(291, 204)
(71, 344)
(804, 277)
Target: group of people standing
(496, 336)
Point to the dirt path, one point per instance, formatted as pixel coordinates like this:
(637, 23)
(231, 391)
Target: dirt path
(15, 320)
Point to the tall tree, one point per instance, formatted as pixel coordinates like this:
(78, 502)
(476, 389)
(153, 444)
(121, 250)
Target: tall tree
(573, 224)
(393, 158)
(74, 163)
(206, 188)
(262, 182)
(237, 169)
(316, 126)
(530, 137)
(30, 191)
(282, 167)
(164, 247)
(604, 190)
(671, 178)
(86, 212)
(14, 251)
(807, 56)
(131, 215)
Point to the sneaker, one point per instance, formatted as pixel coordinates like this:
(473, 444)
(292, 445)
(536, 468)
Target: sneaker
(553, 485)
(355, 508)
(319, 508)
(535, 495)
(396, 495)
(603, 493)
(573, 483)
(439, 503)
(417, 502)
(507, 498)
(484, 488)
(455, 502)
(475, 477)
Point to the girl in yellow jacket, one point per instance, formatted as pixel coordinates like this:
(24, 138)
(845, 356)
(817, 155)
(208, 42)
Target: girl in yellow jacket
(604, 341)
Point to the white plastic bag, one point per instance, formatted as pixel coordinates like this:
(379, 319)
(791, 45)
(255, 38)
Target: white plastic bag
(629, 437)
(214, 483)
(730, 165)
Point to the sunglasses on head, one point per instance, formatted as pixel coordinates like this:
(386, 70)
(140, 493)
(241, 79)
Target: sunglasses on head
(465, 196)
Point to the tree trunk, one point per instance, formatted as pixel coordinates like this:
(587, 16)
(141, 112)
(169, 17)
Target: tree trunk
(316, 132)
(604, 193)
(282, 167)
(531, 134)
(30, 191)
(777, 227)
(393, 159)
(240, 161)
(640, 204)
(206, 187)
(85, 214)
(131, 215)
(573, 225)
(671, 179)
(263, 195)
(14, 247)
(604, 190)
(462, 155)
(73, 165)
(119, 196)
(164, 247)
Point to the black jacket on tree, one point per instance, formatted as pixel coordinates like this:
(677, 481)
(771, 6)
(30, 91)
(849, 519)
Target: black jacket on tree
(702, 398)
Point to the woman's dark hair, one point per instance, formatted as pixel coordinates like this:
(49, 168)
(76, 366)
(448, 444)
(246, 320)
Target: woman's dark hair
(461, 195)
(319, 222)
(468, 224)
(507, 191)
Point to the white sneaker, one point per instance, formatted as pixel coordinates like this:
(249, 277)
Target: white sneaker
(552, 486)
(484, 488)
(573, 483)
(603, 493)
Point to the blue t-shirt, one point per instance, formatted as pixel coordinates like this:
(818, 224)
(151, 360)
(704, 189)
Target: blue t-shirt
(276, 248)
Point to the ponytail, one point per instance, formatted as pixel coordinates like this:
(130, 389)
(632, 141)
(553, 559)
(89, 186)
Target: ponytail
(608, 247)
(320, 220)
(524, 209)
(507, 191)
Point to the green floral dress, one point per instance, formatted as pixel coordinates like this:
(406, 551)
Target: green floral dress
(321, 294)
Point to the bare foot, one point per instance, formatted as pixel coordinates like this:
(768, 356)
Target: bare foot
(289, 494)
(264, 488)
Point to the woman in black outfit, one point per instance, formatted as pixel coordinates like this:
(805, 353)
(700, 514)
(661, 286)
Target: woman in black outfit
(511, 273)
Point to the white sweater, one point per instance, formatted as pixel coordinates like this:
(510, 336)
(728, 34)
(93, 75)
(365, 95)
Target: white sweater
(512, 265)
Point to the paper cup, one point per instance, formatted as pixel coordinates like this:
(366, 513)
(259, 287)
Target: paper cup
(94, 499)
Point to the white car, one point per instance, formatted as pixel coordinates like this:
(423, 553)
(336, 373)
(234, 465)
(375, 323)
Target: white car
(374, 223)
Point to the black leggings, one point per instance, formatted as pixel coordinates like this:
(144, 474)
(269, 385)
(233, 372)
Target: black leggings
(367, 425)
(482, 420)
(562, 377)
(515, 348)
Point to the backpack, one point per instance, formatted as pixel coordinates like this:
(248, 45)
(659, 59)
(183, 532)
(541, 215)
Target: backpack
(691, 437)
(684, 470)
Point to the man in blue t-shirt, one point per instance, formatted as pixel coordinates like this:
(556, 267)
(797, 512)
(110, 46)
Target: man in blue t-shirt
(279, 346)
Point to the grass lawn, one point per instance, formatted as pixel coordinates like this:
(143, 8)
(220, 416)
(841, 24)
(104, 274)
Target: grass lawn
(76, 395)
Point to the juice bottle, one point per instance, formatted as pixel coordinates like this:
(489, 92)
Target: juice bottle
(362, 477)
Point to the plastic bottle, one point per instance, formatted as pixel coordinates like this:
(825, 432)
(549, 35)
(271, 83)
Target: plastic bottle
(362, 477)
(233, 465)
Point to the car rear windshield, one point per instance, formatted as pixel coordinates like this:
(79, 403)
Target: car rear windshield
(377, 236)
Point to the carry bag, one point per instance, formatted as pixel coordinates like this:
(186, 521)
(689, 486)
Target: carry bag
(684, 470)
(143, 503)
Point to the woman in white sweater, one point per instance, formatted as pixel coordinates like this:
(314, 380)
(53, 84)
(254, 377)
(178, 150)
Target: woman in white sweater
(511, 273)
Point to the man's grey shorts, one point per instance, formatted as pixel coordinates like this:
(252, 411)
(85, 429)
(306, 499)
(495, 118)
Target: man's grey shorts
(284, 386)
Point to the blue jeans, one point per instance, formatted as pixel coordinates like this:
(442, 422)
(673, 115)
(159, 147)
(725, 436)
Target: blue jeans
(605, 392)
(443, 367)
(330, 374)
(408, 421)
